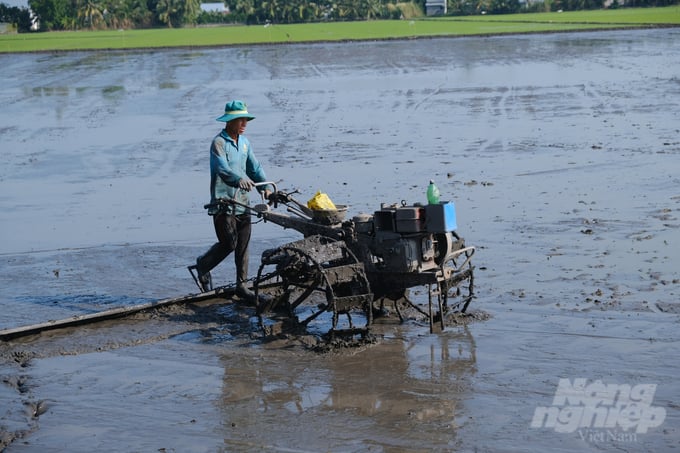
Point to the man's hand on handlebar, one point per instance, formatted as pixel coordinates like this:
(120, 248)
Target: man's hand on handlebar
(246, 184)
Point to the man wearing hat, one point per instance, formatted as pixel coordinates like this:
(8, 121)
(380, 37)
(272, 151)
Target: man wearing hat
(234, 170)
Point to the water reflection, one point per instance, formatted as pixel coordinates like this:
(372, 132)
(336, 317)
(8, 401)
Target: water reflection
(403, 392)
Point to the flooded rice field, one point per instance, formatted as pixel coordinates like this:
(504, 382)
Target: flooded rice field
(561, 153)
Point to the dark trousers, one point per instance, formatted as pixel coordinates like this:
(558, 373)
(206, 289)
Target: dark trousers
(233, 235)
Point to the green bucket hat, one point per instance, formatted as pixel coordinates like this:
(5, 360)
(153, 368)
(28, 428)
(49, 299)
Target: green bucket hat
(233, 110)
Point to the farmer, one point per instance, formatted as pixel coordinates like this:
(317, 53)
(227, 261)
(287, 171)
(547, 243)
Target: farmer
(234, 170)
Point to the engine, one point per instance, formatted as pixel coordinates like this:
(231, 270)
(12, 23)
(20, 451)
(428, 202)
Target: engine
(407, 239)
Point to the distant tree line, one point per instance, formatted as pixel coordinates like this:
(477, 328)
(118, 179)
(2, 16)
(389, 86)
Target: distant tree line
(126, 14)
(113, 14)
(20, 18)
(473, 7)
(298, 11)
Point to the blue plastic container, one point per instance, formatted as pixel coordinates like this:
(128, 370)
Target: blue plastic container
(440, 218)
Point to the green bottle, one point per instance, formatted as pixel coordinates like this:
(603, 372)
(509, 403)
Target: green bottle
(432, 193)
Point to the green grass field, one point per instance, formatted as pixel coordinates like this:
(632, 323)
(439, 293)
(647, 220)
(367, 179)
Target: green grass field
(342, 31)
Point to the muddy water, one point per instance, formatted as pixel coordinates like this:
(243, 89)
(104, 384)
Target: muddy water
(561, 153)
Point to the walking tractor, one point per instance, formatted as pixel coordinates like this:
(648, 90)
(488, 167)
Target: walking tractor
(352, 267)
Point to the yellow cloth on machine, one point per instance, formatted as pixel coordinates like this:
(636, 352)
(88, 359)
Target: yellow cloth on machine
(320, 201)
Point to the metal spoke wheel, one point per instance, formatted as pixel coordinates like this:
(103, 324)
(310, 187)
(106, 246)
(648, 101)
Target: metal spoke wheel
(315, 275)
(454, 289)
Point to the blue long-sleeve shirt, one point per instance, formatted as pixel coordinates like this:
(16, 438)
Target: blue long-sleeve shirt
(229, 163)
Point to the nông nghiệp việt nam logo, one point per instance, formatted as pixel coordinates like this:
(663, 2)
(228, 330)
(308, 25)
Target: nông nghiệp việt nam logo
(581, 405)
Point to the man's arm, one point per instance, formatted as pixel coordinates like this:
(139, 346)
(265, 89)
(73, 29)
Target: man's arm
(219, 159)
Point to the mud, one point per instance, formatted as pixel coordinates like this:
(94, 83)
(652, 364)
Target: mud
(560, 151)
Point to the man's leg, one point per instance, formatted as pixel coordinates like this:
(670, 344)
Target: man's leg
(241, 256)
(206, 262)
(244, 229)
(224, 229)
